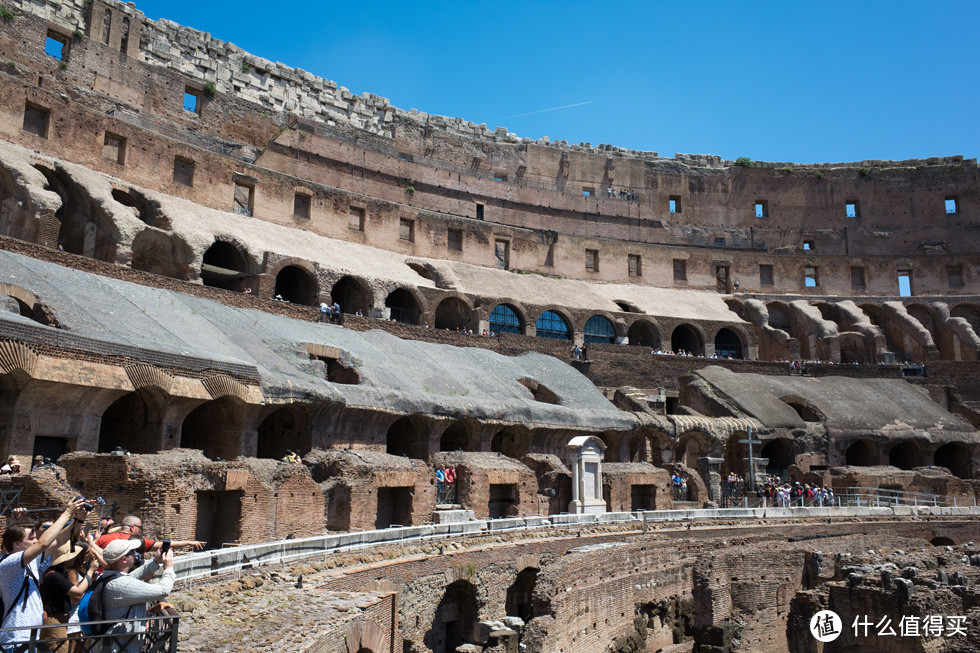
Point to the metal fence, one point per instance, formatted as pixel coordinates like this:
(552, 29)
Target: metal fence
(149, 635)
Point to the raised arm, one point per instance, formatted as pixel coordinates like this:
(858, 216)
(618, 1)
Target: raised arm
(48, 537)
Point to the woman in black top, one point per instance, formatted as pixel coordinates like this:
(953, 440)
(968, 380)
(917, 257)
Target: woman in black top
(62, 586)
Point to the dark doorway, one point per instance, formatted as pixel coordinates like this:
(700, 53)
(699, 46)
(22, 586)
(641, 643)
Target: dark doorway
(903, 455)
(394, 507)
(133, 422)
(643, 497)
(455, 438)
(955, 457)
(511, 442)
(686, 338)
(296, 285)
(404, 306)
(286, 429)
(455, 618)
(52, 448)
(503, 500)
(452, 313)
(215, 428)
(728, 344)
(352, 295)
(641, 333)
(219, 517)
(224, 267)
(780, 455)
(519, 595)
(408, 437)
(861, 454)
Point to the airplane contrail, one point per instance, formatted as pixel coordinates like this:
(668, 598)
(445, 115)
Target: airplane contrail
(531, 113)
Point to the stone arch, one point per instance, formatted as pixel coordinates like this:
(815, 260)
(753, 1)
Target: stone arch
(453, 313)
(166, 254)
(297, 285)
(644, 333)
(854, 349)
(781, 455)
(599, 328)
(942, 540)
(832, 313)
(691, 445)
(512, 441)
(455, 618)
(894, 336)
(288, 428)
(519, 595)
(353, 295)
(215, 427)
(225, 266)
(862, 453)
(554, 323)
(27, 305)
(405, 306)
(87, 228)
(134, 422)
(687, 337)
(904, 455)
(926, 317)
(803, 408)
(954, 456)
(970, 313)
(779, 316)
(408, 436)
(729, 344)
(507, 317)
(613, 441)
(148, 211)
(458, 436)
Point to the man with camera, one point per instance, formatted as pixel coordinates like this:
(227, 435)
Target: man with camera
(125, 592)
(133, 526)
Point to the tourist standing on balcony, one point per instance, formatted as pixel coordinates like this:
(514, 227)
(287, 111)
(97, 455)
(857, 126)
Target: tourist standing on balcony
(28, 555)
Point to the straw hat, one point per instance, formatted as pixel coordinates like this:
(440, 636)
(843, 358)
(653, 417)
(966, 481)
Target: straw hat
(65, 552)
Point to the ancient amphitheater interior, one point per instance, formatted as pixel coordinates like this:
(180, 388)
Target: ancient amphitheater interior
(568, 327)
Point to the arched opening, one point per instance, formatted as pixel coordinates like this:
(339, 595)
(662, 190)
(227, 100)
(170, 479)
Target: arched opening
(86, 229)
(224, 267)
(904, 455)
(806, 412)
(639, 448)
(512, 442)
(942, 541)
(505, 319)
(780, 455)
(215, 428)
(287, 429)
(779, 317)
(685, 338)
(552, 325)
(452, 313)
(454, 620)
(853, 349)
(833, 313)
(728, 344)
(404, 306)
(408, 437)
(599, 329)
(455, 438)
(519, 595)
(352, 295)
(970, 313)
(166, 254)
(148, 211)
(296, 285)
(690, 447)
(133, 422)
(954, 456)
(861, 454)
(627, 307)
(644, 334)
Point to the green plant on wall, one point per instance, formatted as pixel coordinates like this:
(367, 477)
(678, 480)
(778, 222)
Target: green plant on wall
(6, 14)
(246, 67)
(210, 89)
(77, 35)
(864, 172)
(744, 162)
(410, 187)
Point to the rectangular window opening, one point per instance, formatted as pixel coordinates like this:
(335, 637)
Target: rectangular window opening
(761, 209)
(954, 274)
(56, 46)
(501, 250)
(244, 202)
(811, 278)
(766, 277)
(355, 219)
(952, 205)
(591, 260)
(302, 203)
(183, 171)
(857, 276)
(674, 204)
(454, 240)
(406, 230)
(904, 283)
(635, 265)
(500, 177)
(807, 245)
(192, 100)
(479, 211)
(114, 148)
(851, 209)
(680, 269)
(36, 119)
(588, 192)
(719, 241)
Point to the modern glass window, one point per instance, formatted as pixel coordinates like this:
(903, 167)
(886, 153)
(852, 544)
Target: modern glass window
(599, 329)
(504, 319)
(551, 325)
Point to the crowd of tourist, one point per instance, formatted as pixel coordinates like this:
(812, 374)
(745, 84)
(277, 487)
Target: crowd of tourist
(50, 568)
(656, 351)
(786, 494)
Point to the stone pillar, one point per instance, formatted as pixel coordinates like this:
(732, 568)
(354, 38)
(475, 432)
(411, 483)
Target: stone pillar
(587, 452)
(710, 469)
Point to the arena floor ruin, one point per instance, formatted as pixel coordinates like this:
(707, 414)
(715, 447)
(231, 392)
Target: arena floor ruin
(174, 210)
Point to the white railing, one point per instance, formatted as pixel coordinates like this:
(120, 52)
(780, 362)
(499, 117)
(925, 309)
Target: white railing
(234, 559)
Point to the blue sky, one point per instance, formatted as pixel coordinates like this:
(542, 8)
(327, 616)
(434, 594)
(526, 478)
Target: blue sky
(777, 81)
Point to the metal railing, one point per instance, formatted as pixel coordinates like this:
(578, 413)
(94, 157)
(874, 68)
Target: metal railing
(148, 635)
